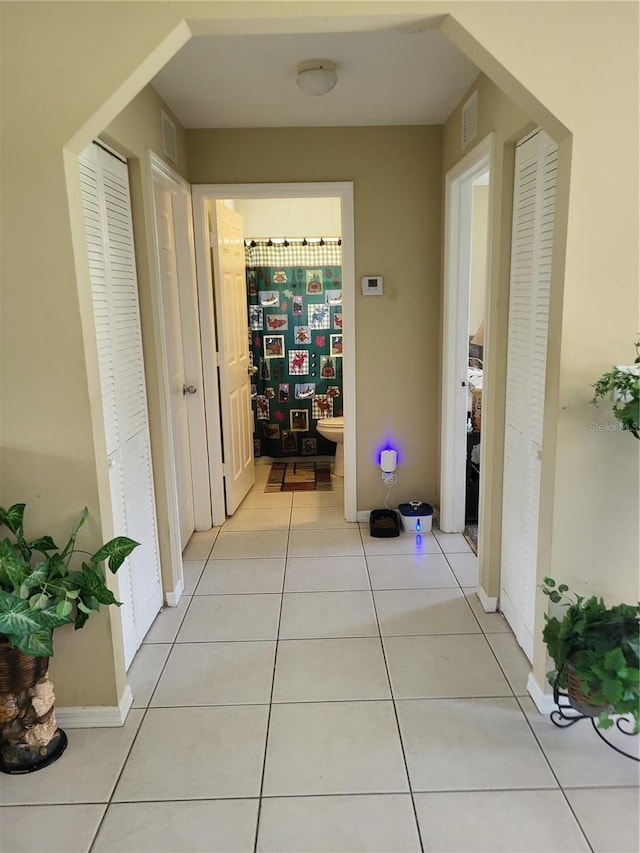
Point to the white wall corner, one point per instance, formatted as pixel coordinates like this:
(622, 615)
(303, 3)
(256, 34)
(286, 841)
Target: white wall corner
(489, 603)
(172, 598)
(543, 701)
(97, 717)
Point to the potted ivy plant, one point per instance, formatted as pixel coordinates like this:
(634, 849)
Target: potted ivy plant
(42, 588)
(595, 649)
(624, 384)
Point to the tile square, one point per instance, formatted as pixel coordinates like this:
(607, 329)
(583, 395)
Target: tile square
(333, 748)
(452, 543)
(513, 661)
(405, 543)
(424, 611)
(609, 818)
(221, 577)
(579, 758)
(212, 826)
(319, 574)
(449, 665)
(330, 670)
(491, 623)
(464, 567)
(167, 623)
(217, 674)
(498, 822)
(56, 829)
(258, 519)
(410, 571)
(145, 671)
(252, 543)
(196, 754)
(309, 499)
(200, 544)
(375, 823)
(317, 615)
(257, 498)
(230, 617)
(463, 744)
(320, 518)
(325, 543)
(191, 571)
(87, 772)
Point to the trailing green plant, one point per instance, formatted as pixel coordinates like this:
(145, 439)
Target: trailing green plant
(42, 587)
(624, 384)
(602, 646)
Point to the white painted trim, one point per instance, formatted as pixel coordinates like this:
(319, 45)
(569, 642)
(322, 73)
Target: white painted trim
(489, 603)
(363, 516)
(542, 700)
(458, 202)
(172, 599)
(202, 194)
(96, 717)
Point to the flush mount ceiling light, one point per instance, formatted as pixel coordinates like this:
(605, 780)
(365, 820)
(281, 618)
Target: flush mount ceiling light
(317, 76)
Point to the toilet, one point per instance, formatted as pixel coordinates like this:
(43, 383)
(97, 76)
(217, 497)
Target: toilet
(333, 429)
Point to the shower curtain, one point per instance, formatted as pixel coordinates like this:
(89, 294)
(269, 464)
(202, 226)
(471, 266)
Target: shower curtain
(295, 343)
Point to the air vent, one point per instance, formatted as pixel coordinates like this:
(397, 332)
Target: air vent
(169, 143)
(470, 119)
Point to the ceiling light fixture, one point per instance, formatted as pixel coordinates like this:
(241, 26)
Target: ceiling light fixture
(317, 76)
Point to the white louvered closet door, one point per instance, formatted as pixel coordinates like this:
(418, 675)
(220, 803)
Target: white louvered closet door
(107, 210)
(531, 250)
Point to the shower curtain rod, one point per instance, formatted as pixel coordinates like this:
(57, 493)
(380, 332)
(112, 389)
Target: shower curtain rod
(284, 241)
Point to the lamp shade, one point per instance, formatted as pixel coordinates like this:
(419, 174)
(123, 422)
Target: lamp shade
(317, 76)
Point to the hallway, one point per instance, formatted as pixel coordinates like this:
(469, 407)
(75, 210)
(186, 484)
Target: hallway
(320, 690)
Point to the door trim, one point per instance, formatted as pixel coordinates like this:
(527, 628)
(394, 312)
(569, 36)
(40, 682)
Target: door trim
(201, 195)
(457, 251)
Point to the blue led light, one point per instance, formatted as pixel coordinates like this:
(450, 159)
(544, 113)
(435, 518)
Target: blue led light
(418, 528)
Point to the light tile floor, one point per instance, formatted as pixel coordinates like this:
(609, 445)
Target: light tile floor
(320, 690)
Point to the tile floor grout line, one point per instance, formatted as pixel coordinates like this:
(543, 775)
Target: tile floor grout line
(395, 709)
(273, 681)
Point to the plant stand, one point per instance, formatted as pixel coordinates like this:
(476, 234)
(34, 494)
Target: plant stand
(29, 736)
(565, 715)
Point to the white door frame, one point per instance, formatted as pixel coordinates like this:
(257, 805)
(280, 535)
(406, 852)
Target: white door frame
(457, 253)
(201, 195)
(163, 176)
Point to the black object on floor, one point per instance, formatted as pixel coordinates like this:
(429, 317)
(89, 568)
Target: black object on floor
(384, 523)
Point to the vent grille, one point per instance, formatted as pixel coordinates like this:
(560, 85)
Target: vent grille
(169, 143)
(470, 119)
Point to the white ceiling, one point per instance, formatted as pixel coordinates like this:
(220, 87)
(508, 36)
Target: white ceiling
(391, 77)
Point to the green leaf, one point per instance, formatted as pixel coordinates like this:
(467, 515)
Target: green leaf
(604, 720)
(117, 550)
(81, 618)
(37, 576)
(15, 615)
(82, 607)
(12, 517)
(51, 619)
(68, 548)
(38, 644)
(612, 689)
(95, 585)
(38, 601)
(563, 588)
(44, 544)
(64, 608)
(13, 567)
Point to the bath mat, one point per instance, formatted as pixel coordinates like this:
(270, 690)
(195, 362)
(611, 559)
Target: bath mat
(299, 477)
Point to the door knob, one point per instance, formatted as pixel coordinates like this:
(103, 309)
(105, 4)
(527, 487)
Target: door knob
(189, 389)
(251, 370)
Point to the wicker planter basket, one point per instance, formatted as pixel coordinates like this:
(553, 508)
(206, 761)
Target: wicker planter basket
(18, 671)
(578, 699)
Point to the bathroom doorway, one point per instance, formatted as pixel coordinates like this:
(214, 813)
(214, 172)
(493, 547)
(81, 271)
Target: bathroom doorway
(239, 197)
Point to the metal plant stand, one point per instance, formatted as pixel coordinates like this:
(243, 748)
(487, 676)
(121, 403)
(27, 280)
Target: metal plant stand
(566, 715)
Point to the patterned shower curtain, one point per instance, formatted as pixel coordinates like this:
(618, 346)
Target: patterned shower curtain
(295, 342)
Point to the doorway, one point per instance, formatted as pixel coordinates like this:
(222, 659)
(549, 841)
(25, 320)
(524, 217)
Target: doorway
(466, 299)
(206, 196)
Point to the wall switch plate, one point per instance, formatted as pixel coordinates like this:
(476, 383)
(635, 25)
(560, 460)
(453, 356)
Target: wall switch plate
(371, 285)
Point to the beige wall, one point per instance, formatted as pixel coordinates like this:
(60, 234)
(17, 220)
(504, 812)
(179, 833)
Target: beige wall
(582, 86)
(290, 217)
(396, 172)
(478, 262)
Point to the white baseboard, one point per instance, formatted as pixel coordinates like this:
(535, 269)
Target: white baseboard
(97, 717)
(489, 603)
(363, 516)
(172, 599)
(543, 701)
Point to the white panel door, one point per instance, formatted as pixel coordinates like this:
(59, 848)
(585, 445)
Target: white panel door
(107, 209)
(532, 236)
(177, 380)
(227, 249)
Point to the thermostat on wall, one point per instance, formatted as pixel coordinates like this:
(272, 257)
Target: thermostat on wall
(371, 285)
